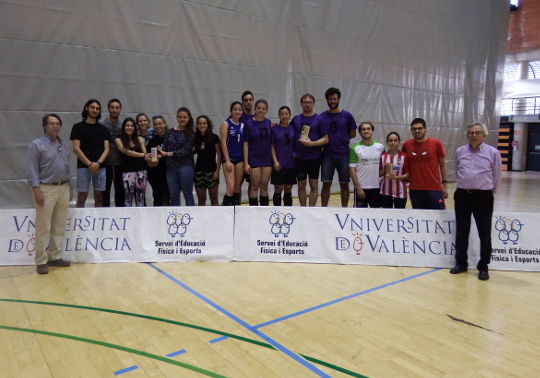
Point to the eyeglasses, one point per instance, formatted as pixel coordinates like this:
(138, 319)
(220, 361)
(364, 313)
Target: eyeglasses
(475, 133)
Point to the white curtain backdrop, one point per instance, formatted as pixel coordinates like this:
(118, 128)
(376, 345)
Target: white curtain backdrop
(393, 60)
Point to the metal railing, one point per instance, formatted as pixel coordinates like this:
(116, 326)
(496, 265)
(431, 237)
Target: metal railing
(520, 106)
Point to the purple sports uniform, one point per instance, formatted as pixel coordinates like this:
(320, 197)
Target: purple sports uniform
(317, 130)
(283, 141)
(339, 125)
(257, 135)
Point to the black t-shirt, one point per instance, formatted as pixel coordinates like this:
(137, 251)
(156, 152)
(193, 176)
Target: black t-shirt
(133, 164)
(206, 156)
(91, 137)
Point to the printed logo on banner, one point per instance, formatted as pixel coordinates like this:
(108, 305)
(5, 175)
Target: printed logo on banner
(282, 243)
(411, 235)
(87, 233)
(178, 223)
(281, 223)
(26, 241)
(508, 229)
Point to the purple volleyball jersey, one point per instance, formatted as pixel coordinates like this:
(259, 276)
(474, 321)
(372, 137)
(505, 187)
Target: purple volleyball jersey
(283, 141)
(316, 131)
(257, 135)
(339, 125)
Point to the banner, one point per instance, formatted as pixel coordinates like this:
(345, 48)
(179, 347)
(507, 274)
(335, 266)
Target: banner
(420, 238)
(96, 235)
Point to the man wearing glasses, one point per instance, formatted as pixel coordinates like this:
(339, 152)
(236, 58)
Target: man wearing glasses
(478, 172)
(48, 174)
(310, 135)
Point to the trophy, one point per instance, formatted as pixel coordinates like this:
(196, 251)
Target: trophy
(304, 135)
(153, 151)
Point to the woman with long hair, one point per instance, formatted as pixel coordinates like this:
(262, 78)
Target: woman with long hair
(178, 148)
(231, 139)
(134, 158)
(257, 154)
(208, 161)
(157, 173)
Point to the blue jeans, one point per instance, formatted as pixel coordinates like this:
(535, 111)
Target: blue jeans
(180, 179)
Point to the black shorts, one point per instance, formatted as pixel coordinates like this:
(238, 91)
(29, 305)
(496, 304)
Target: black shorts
(307, 168)
(287, 176)
(204, 180)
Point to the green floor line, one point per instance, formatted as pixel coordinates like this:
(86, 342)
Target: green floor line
(115, 346)
(182, 324)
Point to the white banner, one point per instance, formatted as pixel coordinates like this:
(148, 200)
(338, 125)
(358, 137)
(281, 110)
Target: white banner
(126, 234)
(421, 238)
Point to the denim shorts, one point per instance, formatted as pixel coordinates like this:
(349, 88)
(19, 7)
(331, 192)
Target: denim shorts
(84, 176)
(329, 164)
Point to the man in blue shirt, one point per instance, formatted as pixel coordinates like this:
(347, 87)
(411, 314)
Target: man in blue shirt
(48, 175)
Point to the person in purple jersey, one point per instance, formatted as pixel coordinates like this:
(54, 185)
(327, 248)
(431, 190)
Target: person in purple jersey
(479, 173)
(341, 129)
(283, 175)
(231, 140)
(247, 104)
(257, 154)
(310, 135)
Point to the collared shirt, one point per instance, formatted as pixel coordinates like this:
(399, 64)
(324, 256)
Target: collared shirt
(479, 169)
(47, 162)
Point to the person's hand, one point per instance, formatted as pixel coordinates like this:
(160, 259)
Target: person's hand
(306, 142)
(277, 167)
(360, 193)
(247, 169)
(94, 168)
(215, 176)
(229, 166)
(38, 196)
(445, 192)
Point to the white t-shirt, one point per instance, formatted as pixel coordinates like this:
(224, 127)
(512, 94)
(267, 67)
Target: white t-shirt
(365, 158)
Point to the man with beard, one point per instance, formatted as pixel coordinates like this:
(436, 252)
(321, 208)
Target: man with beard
(91, 145)
(310, 135)
(427, 168)
(113, 163)
(341, 128)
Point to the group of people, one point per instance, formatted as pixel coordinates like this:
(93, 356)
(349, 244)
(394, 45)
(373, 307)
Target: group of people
(250, 147)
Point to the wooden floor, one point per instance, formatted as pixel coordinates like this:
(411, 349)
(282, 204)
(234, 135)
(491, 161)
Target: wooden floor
(273, 320)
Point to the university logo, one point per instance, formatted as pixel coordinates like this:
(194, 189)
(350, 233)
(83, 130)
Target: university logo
(281, 223)
(178, 223)
(508, 229)
(356, 242)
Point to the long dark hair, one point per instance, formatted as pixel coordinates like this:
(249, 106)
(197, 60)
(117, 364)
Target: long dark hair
(84, 112)
(189, 127)
(127, 140)
(207, 137)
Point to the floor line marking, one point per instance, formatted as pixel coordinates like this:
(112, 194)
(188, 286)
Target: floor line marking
(350, 296)
(125, 370)
(233, 317)
(181, 351)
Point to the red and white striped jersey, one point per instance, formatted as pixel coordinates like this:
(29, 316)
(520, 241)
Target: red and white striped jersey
(394, 188)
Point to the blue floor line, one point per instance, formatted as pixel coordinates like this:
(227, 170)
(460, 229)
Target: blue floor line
(181, 351)
(125, 370)
(269, 340)
(301, 312)
(218, 339)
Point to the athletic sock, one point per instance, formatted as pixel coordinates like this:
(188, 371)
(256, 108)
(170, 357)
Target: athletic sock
(287, 199)
(276, 199)
(263, 200)
(253, 202)
(236, 198)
